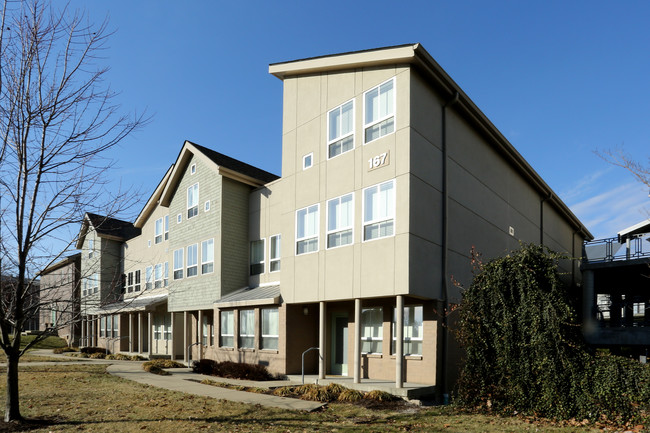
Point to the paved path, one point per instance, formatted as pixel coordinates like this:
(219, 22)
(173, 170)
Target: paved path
(184, 380)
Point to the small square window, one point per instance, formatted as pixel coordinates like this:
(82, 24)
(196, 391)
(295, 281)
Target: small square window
(193, 169)
(149, 243)
(179, 218)
(307, 161)
(207, 206)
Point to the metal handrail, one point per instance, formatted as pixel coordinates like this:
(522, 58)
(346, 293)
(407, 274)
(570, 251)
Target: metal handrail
(113, 340)
(303, 360)
(189, 353)
(611, 249)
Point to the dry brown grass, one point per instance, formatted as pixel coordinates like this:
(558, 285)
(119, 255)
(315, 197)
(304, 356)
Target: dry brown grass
(86, 398)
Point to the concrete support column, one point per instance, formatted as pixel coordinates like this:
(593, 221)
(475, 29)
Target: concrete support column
(92, 331)
(399, 342)
(173, 320)
(185, 337)
(149, 328)
(199, 329)
(357, 341)
(131, 332)
(139, 332)
(83, 332)
(322, 340)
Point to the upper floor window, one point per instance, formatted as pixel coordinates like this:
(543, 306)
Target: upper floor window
(166, 227)
(307, 161)
(95, 283)
(178, 264)
(129, 282)
(137, 281)
(340, 219)
(307, 229)
(379, 111)
(166, 275)
(193, 169)
(207, 256)
(340, 135)
(193, 201)
(91, 248)
(379, 210)
(274, 253)
(257, 257)
(192, 260)
(158, 232)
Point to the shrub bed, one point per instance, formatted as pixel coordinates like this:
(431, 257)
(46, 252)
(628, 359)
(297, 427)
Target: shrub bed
(60, 350)
(232, 370)
(91, 349)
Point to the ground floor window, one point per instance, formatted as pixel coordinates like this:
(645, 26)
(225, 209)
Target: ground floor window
(206, 339)
(227, 329)
(116, 326)
(372, 335)
(413, 330)
(102, 326)
(167, 331)
(270, 328)
(247, 329)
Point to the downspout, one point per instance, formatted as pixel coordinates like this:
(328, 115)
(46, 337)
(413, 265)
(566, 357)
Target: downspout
(541, 217)
(445, 250)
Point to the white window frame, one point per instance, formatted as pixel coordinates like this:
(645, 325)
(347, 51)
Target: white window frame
(255, 266)
(116, 325)
(166, 274)
(91, 248)
(193, 169)
(166, 227)
(179, 266)
(204, 261)
(341, 137)
(158, 276)
(192, 266)
(372, 338)
(148, 277)
(227, 316)
(270, 341)
(247, 334)
(158, 231)
(129, 282)
(380, 119)
(407, 336)
(102, 327)
(349, 227)
(311, 161)
(94, 283)
(193, 206)
(206, 206)
(311, 236)
(275, 261)
(382, 219)
(136, 278)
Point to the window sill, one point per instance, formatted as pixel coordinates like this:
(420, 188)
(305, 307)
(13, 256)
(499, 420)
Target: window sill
(373, 355)
(269, 351)
(409, 357)
(229, 349)
(245, 349)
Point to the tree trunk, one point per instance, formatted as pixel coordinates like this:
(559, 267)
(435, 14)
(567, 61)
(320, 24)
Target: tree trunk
(12, 409)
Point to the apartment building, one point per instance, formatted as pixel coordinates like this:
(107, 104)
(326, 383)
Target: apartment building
(390, 176)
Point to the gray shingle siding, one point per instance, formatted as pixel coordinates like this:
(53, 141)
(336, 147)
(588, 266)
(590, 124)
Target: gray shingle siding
(234, 243)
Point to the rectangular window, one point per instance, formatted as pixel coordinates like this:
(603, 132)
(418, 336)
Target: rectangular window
(178, 264)
(193, 201)
(91, 248)
(307, 229)
(257, 257)
(340, 219)
(158, 232)
(413, 330)
(95, 283)
(102, 326)
(109, 326)
(166, 275)
(270, 328)
(129, 282)
(157, 328)
(340, 136)
(158, 276)
(166, 227)
(307, 161)
(167, 331)
(274, 253)
(247, 329)
(207, 256)
(204, 330)
(379, 111)
(372, 335)
(227, 329)
(148, 274)
(116, 326)
(137, 281)
(379, 210)
(192, 260)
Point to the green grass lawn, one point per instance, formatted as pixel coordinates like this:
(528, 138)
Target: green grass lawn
(86, 398)
(49, 342)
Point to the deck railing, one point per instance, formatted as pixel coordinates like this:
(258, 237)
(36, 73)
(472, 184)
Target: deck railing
(610, 249)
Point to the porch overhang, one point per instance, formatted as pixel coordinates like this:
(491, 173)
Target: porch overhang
(251, 296)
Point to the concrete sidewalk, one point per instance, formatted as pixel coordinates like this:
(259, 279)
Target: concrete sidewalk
(184, 380)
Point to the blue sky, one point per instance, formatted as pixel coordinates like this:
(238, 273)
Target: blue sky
(559, 79)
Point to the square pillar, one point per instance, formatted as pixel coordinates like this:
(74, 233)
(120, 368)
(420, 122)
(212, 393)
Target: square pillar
(199, 329)
(131, 332)
(185, 338)
(322, 340)
(149, 330)
(399, 342)
(357, 341)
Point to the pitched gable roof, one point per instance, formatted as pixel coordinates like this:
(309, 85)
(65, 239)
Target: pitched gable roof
(107, 227)
(236, 165)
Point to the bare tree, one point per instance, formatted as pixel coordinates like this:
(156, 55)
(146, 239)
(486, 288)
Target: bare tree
(57, 120)
(620, 158)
